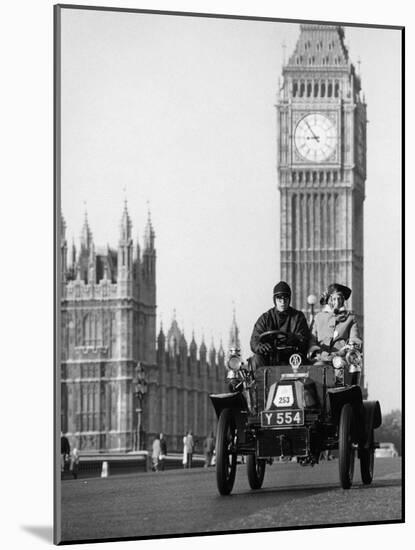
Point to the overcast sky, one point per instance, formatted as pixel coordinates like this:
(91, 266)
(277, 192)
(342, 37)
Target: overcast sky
(180, 112)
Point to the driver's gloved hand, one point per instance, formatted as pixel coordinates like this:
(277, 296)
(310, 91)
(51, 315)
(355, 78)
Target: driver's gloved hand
(263, 349)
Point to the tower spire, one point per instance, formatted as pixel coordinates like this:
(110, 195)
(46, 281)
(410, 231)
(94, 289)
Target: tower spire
(86, 234)
(125, 225)
(149, 231)
(234, 341)
(125, 250)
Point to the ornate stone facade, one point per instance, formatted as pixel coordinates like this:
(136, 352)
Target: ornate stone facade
(108, 326)
(186, 375)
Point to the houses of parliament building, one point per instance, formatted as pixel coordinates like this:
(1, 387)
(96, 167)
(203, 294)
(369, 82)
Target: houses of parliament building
(108, 331)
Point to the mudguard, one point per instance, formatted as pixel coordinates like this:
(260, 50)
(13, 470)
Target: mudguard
(237, 402)
(232, 400)
(372, 420)
(340, 396)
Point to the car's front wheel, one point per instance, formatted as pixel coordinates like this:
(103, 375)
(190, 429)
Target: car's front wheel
(346, 448)
(256, 471)
(225, 452)
(367, 461)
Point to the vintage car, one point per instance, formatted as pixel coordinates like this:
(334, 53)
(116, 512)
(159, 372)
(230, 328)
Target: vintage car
(297, 409)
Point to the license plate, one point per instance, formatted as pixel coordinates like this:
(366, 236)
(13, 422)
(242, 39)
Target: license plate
(282, 419)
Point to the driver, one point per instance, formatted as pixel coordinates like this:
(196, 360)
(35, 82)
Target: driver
(334, 326)
(281, 317)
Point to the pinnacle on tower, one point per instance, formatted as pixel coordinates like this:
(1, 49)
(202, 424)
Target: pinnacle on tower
(125, 225)
(73, 253)
(86, 234)
(149, 234)
(234, 341)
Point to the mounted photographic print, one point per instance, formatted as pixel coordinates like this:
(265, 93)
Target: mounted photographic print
(228, 223)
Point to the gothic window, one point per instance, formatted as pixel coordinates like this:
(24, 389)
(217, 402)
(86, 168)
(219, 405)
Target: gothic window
(316, 89)
(86, 329)
(302, 89)
(294, 220)
(336, 89)
(295, 88)
(314, 177)
(300, 177)
(294, 176)
(330, 90)
(309, 87)
(323, 89)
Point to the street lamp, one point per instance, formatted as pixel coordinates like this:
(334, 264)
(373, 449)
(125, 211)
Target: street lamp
(140, 389)
(311, 301)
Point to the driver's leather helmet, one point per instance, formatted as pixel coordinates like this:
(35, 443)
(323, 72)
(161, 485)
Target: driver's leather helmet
(281, 288)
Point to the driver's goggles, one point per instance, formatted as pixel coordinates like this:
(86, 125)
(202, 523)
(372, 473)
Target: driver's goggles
(282, 297)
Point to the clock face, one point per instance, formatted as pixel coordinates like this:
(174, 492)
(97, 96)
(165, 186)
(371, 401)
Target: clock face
(315, 137)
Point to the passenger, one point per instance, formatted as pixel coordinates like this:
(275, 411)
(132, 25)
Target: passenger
(281, 317)
(334, 326)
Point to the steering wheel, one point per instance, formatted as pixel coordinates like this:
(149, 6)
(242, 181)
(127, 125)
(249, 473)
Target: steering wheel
(278, 339)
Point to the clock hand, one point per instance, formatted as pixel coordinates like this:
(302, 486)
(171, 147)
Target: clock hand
(309, 127)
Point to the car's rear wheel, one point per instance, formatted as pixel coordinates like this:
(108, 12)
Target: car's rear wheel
(367, 461)
(346, 449)
(225, 452)
(256, 471)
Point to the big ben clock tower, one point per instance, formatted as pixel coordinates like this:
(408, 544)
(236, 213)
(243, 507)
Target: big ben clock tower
(321, 167)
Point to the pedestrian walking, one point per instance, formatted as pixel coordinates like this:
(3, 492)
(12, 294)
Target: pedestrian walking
(188, 449)
(163, 452)
(74, 463)
(156, 454)
(65, 451)
(208, 447)
(184, 460)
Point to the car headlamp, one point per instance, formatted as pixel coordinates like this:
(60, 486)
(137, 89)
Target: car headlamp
(354, 359)
(234, 363)
(338, 362)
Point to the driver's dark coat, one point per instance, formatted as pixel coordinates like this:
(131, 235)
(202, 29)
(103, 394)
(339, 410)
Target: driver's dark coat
(291, 321)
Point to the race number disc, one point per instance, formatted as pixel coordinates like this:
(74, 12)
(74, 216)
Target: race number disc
(284, 396)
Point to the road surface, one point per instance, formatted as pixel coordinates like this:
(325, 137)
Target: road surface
(187, 501)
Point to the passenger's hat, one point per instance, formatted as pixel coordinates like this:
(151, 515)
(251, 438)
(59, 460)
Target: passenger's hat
(282, 288)
(335, 287)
